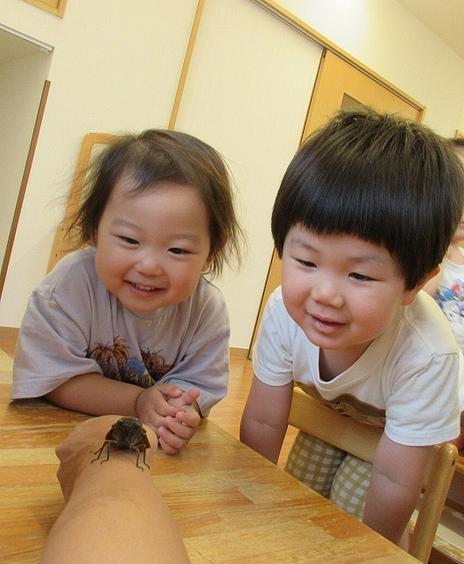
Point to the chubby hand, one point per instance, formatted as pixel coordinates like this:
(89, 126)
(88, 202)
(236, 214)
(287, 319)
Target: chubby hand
(171, 412)
(175, 433)
(76, 451)
(152, 404)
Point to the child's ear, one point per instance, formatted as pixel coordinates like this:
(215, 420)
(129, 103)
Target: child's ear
(410, 295)
(207, 264)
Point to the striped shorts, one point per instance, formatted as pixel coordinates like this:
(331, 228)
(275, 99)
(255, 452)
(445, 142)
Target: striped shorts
(331, 472)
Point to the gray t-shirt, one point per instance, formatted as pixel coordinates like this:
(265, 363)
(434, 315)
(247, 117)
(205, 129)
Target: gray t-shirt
(73, 326)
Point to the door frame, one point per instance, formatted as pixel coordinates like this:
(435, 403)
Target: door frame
(24, 181)
(336, 76)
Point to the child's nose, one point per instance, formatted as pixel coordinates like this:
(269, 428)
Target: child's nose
(328, 291)
(150, 264)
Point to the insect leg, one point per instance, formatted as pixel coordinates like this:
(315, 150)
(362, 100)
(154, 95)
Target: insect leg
(100, 450)
(143, 460)
(107, 452)
(138, 454)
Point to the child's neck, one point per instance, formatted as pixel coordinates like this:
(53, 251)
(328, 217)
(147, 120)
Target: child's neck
(454, 253)
(333, 363)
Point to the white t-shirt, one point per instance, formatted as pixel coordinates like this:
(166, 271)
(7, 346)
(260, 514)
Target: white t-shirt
(450, 297)
(73, 326)
(409, 378)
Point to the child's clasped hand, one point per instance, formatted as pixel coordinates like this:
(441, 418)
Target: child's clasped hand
(171, 412)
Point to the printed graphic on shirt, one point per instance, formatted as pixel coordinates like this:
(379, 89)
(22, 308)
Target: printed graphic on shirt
(116, 363)
(451, 300)
(347, 404)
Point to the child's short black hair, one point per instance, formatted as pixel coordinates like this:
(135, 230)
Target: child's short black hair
(381, 178)
(154, 156)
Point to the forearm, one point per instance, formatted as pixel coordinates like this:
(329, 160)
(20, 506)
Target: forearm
(389, 506)
(96, 395)
(265, 418)
(395, 485)
(122, 519)
(263, 437)
(113, 511)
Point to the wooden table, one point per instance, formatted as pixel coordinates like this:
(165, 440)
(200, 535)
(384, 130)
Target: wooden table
(231, 504)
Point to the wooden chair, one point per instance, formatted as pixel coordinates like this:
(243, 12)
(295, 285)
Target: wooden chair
(63, 243)
(360, 440)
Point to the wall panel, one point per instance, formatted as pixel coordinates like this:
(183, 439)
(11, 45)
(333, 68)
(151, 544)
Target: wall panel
(247, 94)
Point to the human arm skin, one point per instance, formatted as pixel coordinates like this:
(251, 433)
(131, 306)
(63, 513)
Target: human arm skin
(113, 512)
(395, 485)
(265, 418)
(97, 395)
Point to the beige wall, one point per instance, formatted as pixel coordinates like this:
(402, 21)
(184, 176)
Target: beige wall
(116, 69)
(390, 40)
(247, 94)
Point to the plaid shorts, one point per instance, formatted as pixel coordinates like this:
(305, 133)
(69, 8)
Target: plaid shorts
(331, 472)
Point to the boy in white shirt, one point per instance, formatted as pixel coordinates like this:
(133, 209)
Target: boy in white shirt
(363, 218)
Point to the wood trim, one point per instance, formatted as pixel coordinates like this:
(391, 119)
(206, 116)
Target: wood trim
(186, 64)
(9, 333)
(55, 7)
(24, 181)
(238, 352)
(301, 26)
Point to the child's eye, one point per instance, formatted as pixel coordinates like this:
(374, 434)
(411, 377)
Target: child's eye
(128, 240)
(178, 251)
(305, 263)
(361, 277)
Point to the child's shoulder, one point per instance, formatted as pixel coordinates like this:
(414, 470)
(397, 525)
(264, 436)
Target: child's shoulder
(70, 273)
(207, 293)
(425, 326)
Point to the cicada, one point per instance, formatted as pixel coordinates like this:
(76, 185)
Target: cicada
(126, 434)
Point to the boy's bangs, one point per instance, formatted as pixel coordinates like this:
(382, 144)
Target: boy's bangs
(344, 209)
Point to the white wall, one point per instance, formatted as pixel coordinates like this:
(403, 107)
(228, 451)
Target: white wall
(115, 68)
(247, 94)
(21, 84)
(391, 41)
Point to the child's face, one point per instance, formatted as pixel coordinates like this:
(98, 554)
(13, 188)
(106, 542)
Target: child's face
(342, 291)
(152, 247)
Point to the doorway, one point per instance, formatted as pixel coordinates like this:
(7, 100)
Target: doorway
(339, 85)
(24, 67)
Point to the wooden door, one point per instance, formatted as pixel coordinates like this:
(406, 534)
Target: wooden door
(339, 85)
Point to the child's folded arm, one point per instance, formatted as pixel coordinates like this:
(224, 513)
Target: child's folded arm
(395, 485)
(265, 418)
(96, 395)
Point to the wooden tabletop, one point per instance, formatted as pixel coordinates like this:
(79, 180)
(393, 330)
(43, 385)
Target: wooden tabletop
(231, 504)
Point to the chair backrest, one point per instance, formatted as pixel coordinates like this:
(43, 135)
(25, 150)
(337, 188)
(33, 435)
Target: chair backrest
(360, 440)
(63, 243)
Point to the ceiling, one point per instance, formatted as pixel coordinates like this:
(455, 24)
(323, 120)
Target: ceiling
(13, 47)
(444, 17)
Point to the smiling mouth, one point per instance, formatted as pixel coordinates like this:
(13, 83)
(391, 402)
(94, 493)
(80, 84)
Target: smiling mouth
(323, 323)
(143, 287)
